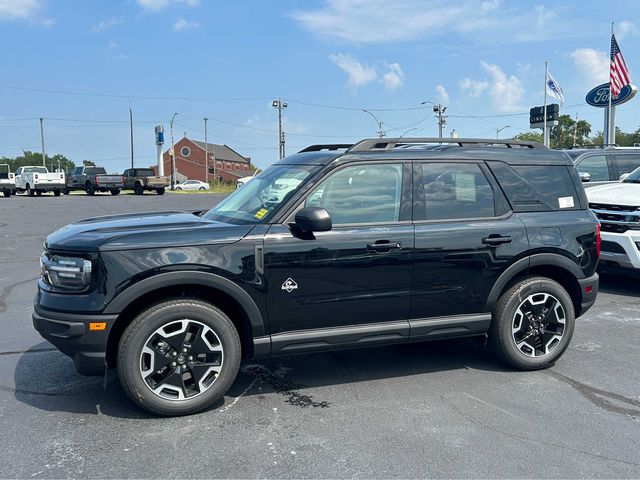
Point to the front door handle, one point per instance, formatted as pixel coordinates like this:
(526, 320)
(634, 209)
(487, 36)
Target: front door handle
(495, 239)
(383, 246)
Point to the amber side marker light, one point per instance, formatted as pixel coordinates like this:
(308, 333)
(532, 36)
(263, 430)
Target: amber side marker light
(93, 326)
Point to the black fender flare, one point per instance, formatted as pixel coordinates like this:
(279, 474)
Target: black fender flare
(169, 279)
(538, 259)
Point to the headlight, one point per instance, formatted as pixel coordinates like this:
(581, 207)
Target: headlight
(71, 273)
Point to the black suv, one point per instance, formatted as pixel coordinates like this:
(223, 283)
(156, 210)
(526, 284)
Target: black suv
(337, 246)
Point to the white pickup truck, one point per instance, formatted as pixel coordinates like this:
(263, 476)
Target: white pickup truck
(7, 180)
(36, 180)
(617, 206)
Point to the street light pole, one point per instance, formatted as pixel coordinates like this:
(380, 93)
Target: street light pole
(498, 130)
(206, 152)
(442, 120)
(173, 155)
(42, 141)
(279, 104)
(410, 130)
(380, 131)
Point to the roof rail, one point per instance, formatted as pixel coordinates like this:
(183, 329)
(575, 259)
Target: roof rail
(319, 148)
(391, 143)
(592, 146)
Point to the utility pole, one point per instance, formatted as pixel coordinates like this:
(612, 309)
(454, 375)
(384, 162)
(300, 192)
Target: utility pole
(131, 133)
(206, 152)
(173, 155)
(575, 130)
(380, 131)
(42, 141)
(442, 120)
(279, 104)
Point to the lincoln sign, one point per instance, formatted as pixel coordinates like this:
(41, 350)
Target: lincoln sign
(599, 96)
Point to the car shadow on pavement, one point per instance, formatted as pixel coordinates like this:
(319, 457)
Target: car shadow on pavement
(619, 284)
(46, 379)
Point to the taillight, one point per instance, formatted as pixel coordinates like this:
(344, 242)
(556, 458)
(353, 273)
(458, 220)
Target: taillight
(121, 179)
(35, 176)
(598, 240)
(11, 176)
(61, 176)
(97, 180)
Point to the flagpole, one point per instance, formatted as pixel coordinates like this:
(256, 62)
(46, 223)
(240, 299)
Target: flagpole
(544, 128)
(609, 134)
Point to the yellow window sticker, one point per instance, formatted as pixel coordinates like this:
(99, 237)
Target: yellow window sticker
(261, 213)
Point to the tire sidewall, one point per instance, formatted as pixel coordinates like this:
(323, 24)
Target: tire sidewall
(144, 325)
(508, 311)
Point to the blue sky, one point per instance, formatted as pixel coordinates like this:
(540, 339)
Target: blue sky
(226, 60)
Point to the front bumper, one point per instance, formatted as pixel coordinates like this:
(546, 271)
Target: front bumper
(620, 249)
(71, 335)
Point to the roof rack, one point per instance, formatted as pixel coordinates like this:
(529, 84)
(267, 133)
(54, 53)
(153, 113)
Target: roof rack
(391, 143)
(592, 146)
(333, 146)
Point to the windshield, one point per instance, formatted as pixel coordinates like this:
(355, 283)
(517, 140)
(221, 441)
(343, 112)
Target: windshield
(256, 201)
(634, 177)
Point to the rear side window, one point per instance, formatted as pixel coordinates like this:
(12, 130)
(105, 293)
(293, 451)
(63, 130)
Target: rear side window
(627, 163)
(596, 166)
(456, 191)
(535, 188)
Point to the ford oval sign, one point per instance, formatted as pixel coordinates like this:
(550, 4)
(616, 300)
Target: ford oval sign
(599, 96)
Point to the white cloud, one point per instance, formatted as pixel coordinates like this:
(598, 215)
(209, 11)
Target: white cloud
(383, 21)
(184, 24)
(157, 5)
(625, 28)
(441, 92)
(592, 64)
(112, 45)
(19, 9)
(506, 91)
(394, 78)
(358, 74)
(107, 24)
(473, 88)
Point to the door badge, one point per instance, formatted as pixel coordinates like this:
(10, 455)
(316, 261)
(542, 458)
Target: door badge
(289, 285)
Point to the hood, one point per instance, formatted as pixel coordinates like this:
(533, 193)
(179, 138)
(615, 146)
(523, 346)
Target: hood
(143, 230)
(618, 193)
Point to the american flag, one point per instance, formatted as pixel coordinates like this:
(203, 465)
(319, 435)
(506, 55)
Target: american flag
(619, 73)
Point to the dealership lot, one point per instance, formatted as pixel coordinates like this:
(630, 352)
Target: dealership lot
(446, 409)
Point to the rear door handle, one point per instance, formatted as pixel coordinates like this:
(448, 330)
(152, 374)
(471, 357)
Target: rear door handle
(495, 239)
(383, 246)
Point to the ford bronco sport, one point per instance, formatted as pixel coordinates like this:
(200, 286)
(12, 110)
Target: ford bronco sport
(337, 246)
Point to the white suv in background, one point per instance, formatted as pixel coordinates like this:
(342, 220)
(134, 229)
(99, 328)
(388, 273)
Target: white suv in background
(617, 206)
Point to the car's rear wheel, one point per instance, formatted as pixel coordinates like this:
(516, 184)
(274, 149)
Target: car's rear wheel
(30, 191)
(115, 191)
(137, 189)
(178, 357)
(7, 193)
(179, 188)
(160, 191)
(89, 189)
(56, 193)
(39, 192)
(533, 323)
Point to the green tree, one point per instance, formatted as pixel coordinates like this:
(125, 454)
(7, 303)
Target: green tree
(563, 134)
(88, 163)
(35, 158)
(532, 136)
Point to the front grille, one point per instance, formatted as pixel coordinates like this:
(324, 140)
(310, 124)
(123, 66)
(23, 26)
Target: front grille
(612, 227)
(613, 208)
(612, 247)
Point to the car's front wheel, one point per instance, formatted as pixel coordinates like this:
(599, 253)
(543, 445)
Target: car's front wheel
(533, 323)
(179, 357)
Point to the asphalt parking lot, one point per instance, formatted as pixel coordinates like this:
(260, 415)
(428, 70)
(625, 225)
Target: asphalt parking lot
(443, 409)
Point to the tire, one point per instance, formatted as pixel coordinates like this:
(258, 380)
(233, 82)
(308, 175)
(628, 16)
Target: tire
(137, 362)
(520, 335)
(115, 191)
(179, 189)
(160, 191)
(39, 192)
(138, 190)
(7, 193)
(66, 191)
(30, 192)
(88, 188)
(202, 189)
(56, 193)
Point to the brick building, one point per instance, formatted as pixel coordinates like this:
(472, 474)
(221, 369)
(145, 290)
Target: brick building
(190, 161)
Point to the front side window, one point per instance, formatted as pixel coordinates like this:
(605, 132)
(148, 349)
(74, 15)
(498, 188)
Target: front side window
(596, 166)
(456, 191)
(360, 194)
(259, 199)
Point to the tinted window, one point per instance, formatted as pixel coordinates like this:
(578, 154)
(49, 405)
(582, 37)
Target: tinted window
(532, 188)
(95, 171)
(144, 172)
(627, 163)
(456, 191)
(360, 194)
(596, 166)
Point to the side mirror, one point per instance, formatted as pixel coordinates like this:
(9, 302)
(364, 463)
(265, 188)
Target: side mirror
(624, 176)
(585, 177)
(313, 219)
